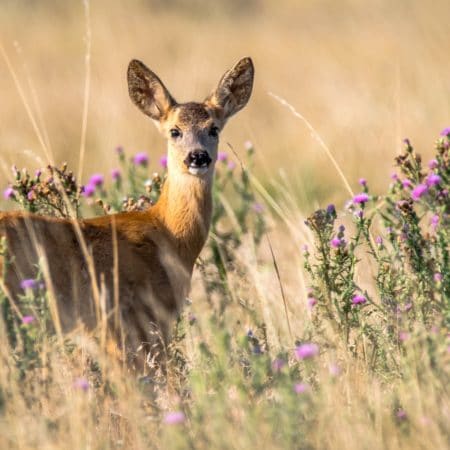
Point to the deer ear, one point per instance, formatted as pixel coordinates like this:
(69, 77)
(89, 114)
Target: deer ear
(148, 92)
(234, 89)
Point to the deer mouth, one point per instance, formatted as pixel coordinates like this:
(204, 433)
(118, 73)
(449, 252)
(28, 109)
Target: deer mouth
(198, 162)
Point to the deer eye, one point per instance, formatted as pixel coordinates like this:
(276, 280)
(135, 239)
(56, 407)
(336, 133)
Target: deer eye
(175, 133)
(214, 131)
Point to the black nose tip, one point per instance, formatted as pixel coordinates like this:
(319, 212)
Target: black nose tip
(198, 158)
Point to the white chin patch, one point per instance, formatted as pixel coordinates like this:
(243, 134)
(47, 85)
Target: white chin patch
(198, 170)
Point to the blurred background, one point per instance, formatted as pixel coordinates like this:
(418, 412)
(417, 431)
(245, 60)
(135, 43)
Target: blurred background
(364, 74)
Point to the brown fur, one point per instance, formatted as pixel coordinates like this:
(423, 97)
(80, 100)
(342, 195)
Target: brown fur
(156, 249)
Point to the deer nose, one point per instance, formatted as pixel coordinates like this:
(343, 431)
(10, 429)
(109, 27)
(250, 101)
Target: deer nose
(198, 158)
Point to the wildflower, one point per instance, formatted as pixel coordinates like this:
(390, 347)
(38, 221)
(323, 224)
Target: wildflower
(222, 157)
(231, 165)
(306, 351)
(28, 283)
(305, 248)
(359, 299)
(301, 388)
(394, 176)
(331, 210)
(379, 240)
(403, 336)
(38, 173)
(437, 277)
(407, 183)
(334, 370)
(418, 191)
(174, 418)
(248, 145)
(26, 320)
(359, 214)
(432, 164)
(8, 193)
(278, 364)
(401, 414)
(407, 142)
(96, 179)
(433, 179)
(88, 190)
(407, 307)
(192, 318)
(115, 174)
(361, 198)
(163, 161)
(312, 302)
(445, 132)
(81, 383)
(31, 195)
(140, 159)
(258, 208)
(362, 181)
(119, 150)
(434, 221)
(250, 333)
(337, 242)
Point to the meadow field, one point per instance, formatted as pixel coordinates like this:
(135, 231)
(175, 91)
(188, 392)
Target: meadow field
(320, 307)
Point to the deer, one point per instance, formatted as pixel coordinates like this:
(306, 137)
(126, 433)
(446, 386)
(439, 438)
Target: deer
(141, 262)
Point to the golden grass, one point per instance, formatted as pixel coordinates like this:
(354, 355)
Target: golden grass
(364, 76)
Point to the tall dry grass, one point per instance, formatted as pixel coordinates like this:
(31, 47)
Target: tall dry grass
(363, 76)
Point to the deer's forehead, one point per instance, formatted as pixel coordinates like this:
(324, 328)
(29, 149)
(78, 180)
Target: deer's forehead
(191, 115)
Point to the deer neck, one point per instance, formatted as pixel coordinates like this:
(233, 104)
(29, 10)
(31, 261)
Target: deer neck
(185, 208)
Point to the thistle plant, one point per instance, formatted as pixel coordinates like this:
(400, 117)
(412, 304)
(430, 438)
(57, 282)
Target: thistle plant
(409, 256)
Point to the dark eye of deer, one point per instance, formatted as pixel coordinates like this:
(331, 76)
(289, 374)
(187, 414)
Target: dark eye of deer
(214, 132)
(175, 133)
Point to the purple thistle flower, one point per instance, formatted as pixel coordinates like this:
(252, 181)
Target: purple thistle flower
(31, 195)
(362, 181)
(26, 320)
(378, 240)
(312, 302)
(258, 208)
(278, 364)
(337, 242)
(301, 388)
(115, 174)
(96, 179)
(163, 161)
(445, 132)
(174, 418)
(407, 142)
(434, 221)
(231, 165)
(394, 176)
(331, 210)
(433, 179)
(401, 414)
(418, 191)
(437, 277)
(119, 150)
(140, 159)
(88, 190)
(407, 183)
(334, 370)
(403, 336)
(81, 383)
(361, 198)
(8, 193)
(359, 299)
(432, 164)
(222, 157)
(306, 351)
(28, 283)
(38, 173)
